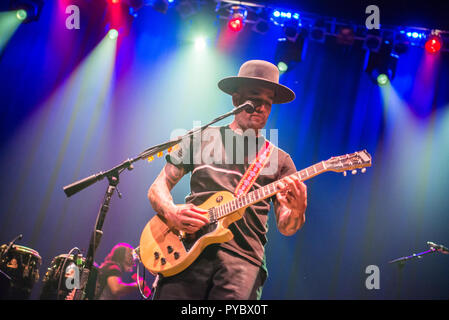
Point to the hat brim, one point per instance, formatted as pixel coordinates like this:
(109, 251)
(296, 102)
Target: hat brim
(282, 94)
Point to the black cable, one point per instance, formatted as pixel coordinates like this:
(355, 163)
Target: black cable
(62, 267)
(138, 275)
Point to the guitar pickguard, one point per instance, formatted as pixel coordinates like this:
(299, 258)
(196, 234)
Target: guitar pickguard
(190, 239)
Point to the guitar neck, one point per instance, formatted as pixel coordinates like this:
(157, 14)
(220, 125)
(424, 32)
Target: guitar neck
(262, 193)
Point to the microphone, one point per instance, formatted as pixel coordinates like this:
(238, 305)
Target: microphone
(438, 247)
(247, 106)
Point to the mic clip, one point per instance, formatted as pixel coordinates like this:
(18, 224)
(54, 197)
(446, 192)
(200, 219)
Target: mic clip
(247, 106)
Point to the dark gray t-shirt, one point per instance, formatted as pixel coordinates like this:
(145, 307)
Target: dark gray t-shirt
(217, 159)
(109, 270)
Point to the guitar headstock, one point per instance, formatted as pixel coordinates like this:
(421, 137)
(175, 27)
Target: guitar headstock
(352, 161)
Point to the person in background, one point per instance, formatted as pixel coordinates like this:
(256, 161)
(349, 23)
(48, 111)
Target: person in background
(110, 285)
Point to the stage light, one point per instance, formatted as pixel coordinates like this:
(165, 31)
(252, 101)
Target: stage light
(279, 17)
(261, 26)
(291, 30)
(113, 34)
(27, 10)
(200, 43)
(289, 53)
(400, 43)
(414, 37)
(21, 14)
(433, 44)
(345, 36)
(237, 18)
(372, 42)
(235, 24)
(381, 66)
(318, 31)
(282, 66)
(382, 79)
(160, 6)
(262, 23)
(9, 23)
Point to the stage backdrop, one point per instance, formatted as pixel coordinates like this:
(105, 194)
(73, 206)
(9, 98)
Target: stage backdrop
(74, 103)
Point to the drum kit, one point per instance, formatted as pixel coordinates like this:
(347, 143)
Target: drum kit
(19, 272)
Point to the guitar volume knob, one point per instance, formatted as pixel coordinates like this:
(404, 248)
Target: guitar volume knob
(170, 249)
(156, 255)
(163, 261)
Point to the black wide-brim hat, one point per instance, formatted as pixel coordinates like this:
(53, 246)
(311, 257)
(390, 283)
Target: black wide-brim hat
(258, 73)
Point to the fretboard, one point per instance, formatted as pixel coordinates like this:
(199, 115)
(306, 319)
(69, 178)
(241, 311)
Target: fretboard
(262, 193)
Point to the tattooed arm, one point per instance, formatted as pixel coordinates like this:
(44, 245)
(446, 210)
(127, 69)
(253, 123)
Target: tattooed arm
(184, 217)
(291, 205)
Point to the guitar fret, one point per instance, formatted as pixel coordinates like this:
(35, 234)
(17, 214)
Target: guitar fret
(303, 174)
(320, 167)
(310, 171)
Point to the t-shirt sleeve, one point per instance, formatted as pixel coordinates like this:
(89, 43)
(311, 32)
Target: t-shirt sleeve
(182, 155)
(112, 271)
(287, 168)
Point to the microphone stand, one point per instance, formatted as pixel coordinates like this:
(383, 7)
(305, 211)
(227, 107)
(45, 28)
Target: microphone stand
(88, 278)
(401, 263)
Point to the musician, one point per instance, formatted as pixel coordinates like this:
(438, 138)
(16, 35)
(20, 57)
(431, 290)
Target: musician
(110, 285)
(235, 269)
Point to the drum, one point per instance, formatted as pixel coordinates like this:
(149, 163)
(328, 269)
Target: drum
(64, 269)
(20, 266)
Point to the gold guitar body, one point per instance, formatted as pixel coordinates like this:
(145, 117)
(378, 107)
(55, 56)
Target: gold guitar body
(167, 251)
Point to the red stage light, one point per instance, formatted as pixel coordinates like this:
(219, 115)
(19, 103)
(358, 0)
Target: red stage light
(236, 24)
(433, 45)
(114, 1)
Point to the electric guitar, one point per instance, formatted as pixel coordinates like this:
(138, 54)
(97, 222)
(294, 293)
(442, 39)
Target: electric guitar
(167, 251)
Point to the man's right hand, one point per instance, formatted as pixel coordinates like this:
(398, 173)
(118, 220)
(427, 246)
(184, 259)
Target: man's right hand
(187, 217)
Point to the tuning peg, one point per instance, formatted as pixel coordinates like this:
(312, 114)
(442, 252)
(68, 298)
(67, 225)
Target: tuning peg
(344, 173)
(363, 170)
(354, 171)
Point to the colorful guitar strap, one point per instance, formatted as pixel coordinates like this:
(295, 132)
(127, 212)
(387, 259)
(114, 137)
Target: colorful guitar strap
(254, 169)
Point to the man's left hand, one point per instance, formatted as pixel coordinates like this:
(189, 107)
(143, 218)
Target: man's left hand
(293, 194)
